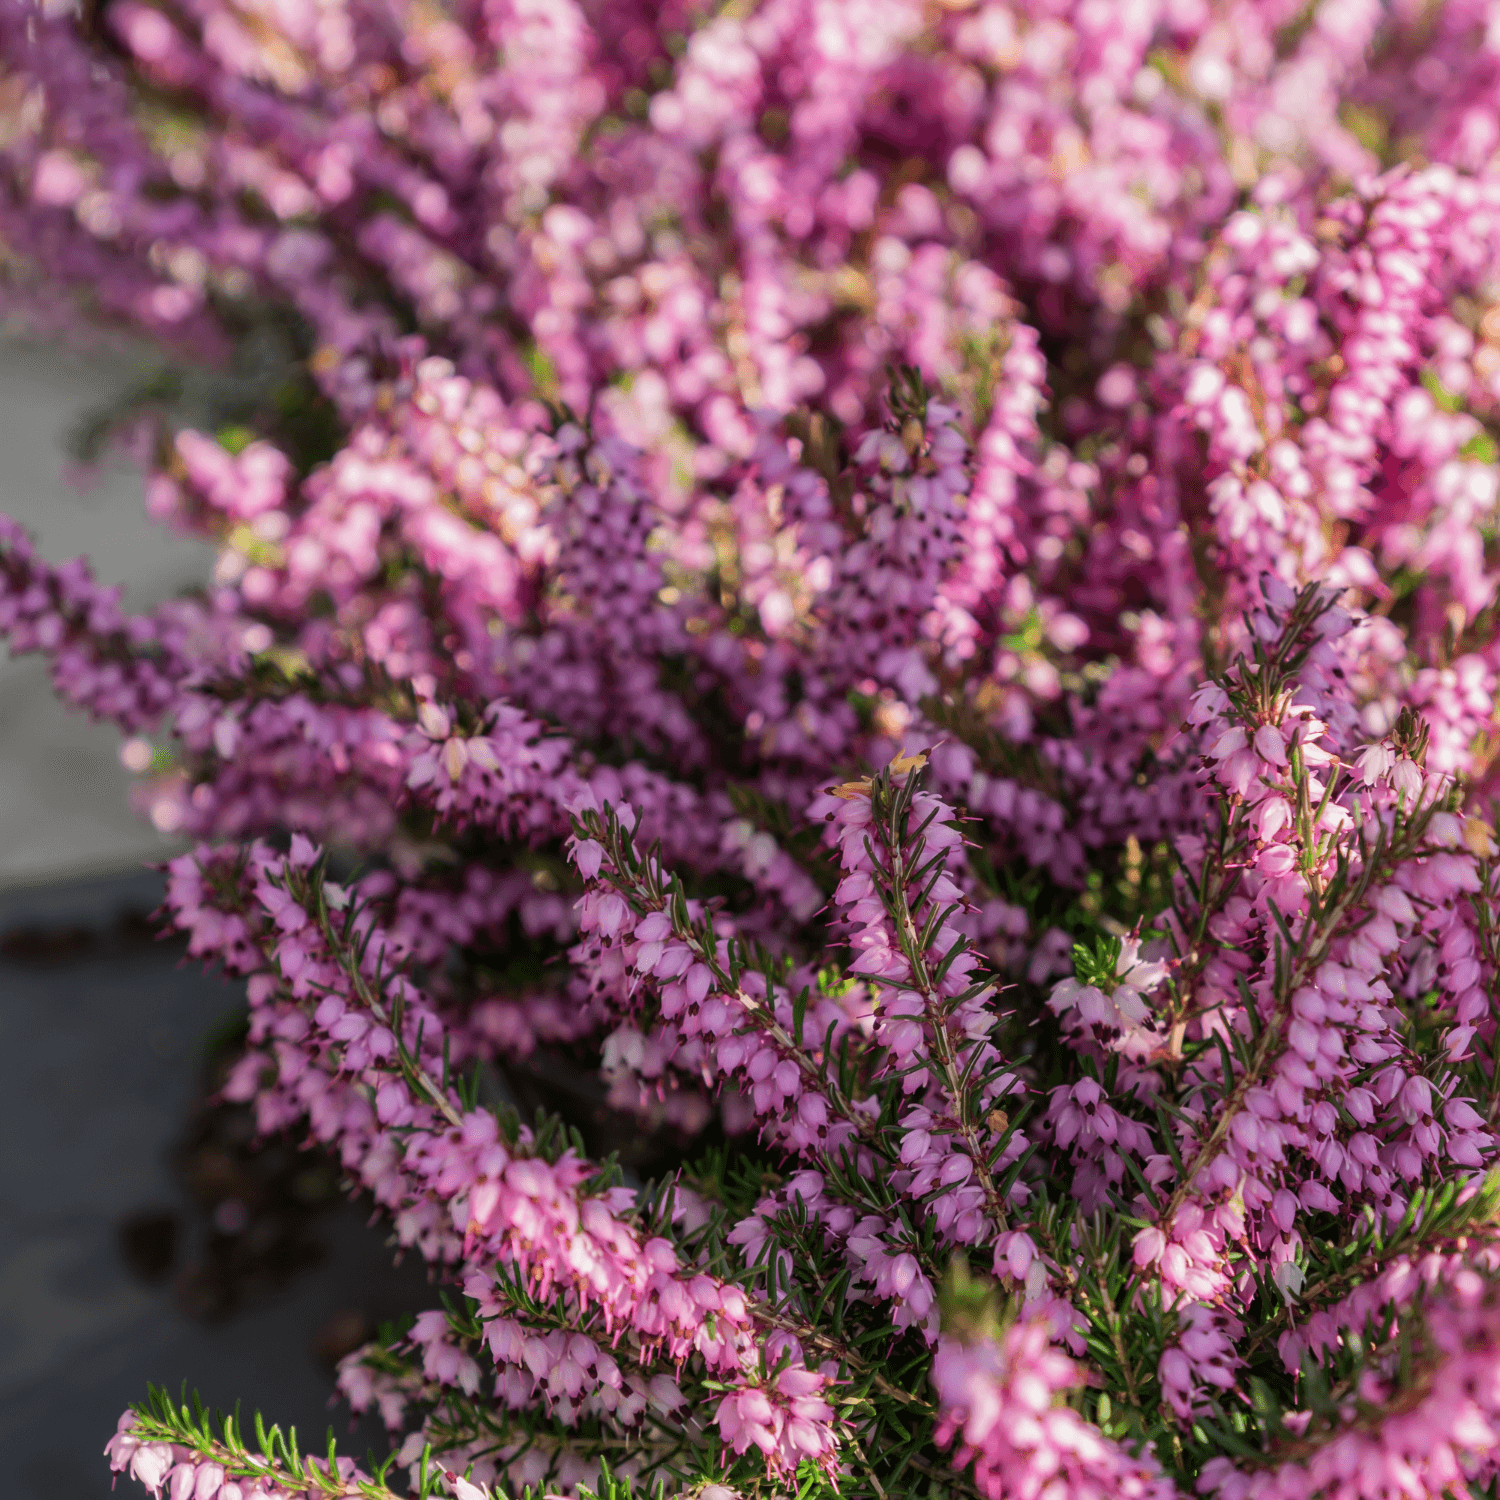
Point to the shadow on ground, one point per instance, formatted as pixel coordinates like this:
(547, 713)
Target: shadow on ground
(140, 1241)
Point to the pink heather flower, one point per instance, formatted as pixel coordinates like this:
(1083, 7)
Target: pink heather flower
(1270, 745)
(150, 1463)
(790, 519)
(1000, 1400)
(463, 1490)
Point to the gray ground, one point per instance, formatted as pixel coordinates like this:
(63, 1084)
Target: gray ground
(101, 1054)
(63, 792)
(99, 1050)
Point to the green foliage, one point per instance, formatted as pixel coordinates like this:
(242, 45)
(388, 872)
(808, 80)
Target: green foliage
(1481, 448)
(1446, 400)
(275, 1456)
(971, 1306)
(235, 438)
(1097, 964)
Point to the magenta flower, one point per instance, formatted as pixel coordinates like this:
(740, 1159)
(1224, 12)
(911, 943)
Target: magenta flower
(914, 587)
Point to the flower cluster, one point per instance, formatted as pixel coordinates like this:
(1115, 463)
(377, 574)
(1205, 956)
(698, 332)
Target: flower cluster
(904, 593)
(1001, 1397)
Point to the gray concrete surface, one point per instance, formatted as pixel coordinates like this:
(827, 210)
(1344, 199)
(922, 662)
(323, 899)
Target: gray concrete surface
(63, 792)
(100, 1057)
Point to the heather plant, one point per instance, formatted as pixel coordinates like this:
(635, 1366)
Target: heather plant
(911, 585)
